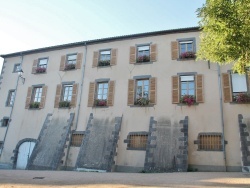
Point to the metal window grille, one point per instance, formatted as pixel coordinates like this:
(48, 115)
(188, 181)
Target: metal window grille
(210, 142)
(76, 139)
(138, 141)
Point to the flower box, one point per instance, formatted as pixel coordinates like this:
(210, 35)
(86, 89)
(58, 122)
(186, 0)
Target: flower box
(64, 104)
(187, 55)
(188, 100)
(142, 101)
(35, 105)
(100, 102)
(70, 67)
(40, 70)
(241, 98)
(104, 63)
(144, 58)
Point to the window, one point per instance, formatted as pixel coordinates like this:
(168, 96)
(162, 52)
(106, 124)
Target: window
(11, 96)
(71, 62)
(239, 83)
(137, 140)
(187, 85)
(1, 147)
(76, 139)
(37, 94)
(183, 49)
(210, 142)
(102, 94)
(17, 67)
(5, 122)
(143, 53)
(142, 92)
(67, 92)
(105, 57)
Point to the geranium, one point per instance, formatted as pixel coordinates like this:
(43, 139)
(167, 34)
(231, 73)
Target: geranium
(70, 66)
(241, 98)
(187, 55)
(144, 58)
(101, 102)
(188, 99)
(40, 70)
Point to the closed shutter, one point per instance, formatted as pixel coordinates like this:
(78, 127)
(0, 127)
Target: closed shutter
(111, 93)
(79, 60)
(113, 60)
(34, 67)
(152, 94)
(153, 52)
(95, 59)
(43, 98)
(58, 95)
(174, 50)
(199, 88)
(131, 91)
(28, 98)
(227, 92)
(132, 54)
(62, 63)
(175, 90)
(74, 96)
(91, 98)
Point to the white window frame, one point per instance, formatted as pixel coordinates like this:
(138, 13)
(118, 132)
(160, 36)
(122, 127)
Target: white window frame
(37, 94)
(11, 97)
(103, 95)
(236, 87)
(71, 61)
(67, 93)
(142, 89)
(187, 79)
(40, 65)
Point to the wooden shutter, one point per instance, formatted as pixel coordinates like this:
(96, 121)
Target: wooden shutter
(62, 63)
(174, 50)
(74, 96)
(153, 52)
(28, 98)
(227, 92)
(79, 60)
(132, 55)
(34, 67)
(113, 60)
(91, 98)
(58, 95)
(175, 90)
(199, 88)
(111, 93)
(95, 59)
(43, 98)
(152, 93)
(131, 92)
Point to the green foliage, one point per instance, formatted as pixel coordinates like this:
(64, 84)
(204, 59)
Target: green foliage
(225, 36)
(64, 104)
(142, 101)
(34, 105)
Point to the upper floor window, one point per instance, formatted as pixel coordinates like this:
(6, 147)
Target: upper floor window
(183, 49)
(105, 57)
(67, 92)
(102, 94)
(5, 122)
(36, 96)
(42, 65)
(71, 62)
(17, 67)
(187, 85)
(142, 92)
(11, 96)
(143, 53)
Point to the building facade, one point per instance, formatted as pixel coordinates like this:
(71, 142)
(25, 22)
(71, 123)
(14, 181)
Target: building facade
(129, 103)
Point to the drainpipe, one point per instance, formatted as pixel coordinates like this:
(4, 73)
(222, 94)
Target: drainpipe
(12, 107)
(222, 117)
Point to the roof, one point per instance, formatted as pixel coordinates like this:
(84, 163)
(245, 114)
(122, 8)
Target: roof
(103, 40)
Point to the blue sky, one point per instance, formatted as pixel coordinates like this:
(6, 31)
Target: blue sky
(30, 24)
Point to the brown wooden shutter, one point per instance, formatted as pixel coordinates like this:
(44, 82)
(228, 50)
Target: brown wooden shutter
(152, 94)
(153, 52)
(74, 96)
(113, 60)
(43, 98)
(199, 88)
(227, 92)
(175, 90)
(91, 98)
(95, 59)
(131, 92)
(28, 98)
(58, 95)
(132, 57)
(34, 67)
(175, 50)
(111, 93)
(62, 64)
(79, 60)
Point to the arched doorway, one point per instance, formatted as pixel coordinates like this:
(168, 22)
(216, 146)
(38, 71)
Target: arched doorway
(24, 153)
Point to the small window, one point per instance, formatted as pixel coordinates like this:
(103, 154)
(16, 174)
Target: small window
(143, 54)
(142, 91)
(239, 83)
(1, 147)
(76, 139)
(11, 96)
(102, 94)
(67, 93)
(137, 141)
(5, 122)
(71, 62)
(42, 65)
(105, 57)
(187, 85)
(186, 49)
(210, 142)
(17, 67)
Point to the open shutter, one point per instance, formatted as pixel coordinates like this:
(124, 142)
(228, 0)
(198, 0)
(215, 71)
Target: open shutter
(152, 94)
(74, 96)
(131, 92)
(95, 59)
(79, 60)
(175, 90)
(28, 98)
(174, 50)
(199, 88)
(153, 52)
(43, 98)
(34, 67)
(227, 92)
(132, 54)
(111, 93)
(62, 63)
(58, 95)
(91, 98)
(113, 60)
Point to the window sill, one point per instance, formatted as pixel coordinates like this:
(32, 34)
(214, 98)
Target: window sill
(181, 104)
(143, 63)
(106, 66)
(34, 108)
(186, 59)
(139, 106)
(69, 69)
(139, 149)
(63, 108)
(100, 106)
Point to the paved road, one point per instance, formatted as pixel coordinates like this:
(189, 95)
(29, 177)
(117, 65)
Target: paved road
(67, 179)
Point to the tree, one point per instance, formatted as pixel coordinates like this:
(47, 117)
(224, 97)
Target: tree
(225, 36)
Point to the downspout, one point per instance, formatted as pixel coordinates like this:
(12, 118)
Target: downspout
(222, 117)
(12, 107)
